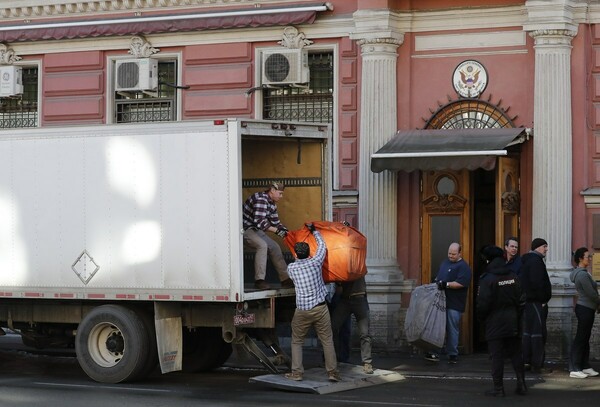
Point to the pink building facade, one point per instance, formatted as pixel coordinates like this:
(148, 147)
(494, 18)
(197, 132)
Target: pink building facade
(377, 67)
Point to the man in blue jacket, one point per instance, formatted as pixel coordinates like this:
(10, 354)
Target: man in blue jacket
(454, 276)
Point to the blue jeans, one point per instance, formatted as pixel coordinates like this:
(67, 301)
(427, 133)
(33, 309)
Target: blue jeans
(452, 331)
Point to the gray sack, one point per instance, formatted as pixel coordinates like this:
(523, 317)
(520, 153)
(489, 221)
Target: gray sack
(425, 323)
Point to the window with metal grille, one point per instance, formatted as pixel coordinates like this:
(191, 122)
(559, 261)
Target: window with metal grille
(312, 104)
(22, 111)
(469, 114)
(150, 106)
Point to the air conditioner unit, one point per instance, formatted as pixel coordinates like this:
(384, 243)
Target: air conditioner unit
(11, 80)
(136, 74)
(282, 66)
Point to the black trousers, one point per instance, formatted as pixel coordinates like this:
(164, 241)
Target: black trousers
(501, 349)
(580, 350)
(535, 334)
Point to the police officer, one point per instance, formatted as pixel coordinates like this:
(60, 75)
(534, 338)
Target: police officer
(500, 304)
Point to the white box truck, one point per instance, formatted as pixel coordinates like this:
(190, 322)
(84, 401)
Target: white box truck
(126, 241)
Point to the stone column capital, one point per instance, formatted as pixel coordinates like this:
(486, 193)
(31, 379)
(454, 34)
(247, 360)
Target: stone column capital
(553, 37)
(379, 46)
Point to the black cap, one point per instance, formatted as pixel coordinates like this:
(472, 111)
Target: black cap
(492, 252)
(537, 242)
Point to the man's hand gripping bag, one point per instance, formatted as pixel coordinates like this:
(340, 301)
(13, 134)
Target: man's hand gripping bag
(346, 249)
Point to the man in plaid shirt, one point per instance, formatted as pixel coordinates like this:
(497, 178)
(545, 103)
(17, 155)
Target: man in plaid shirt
(311, 307)
(260, 216)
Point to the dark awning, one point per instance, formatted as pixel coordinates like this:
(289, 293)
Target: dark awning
(156, 24)
(451, 149)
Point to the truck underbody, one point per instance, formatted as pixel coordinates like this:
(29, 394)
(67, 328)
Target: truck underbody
(119, 341)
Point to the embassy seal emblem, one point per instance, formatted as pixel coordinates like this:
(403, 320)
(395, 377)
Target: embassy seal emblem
(469, 79)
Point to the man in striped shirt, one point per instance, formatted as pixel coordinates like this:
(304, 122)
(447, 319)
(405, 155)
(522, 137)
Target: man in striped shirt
(260, 216)
(311, 307)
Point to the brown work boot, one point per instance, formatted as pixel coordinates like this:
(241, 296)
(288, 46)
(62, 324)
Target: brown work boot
(287, 283)
(334, 376)
(261, 285)
(296, 376)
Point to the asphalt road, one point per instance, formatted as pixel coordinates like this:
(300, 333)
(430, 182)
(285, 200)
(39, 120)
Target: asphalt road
(55, 379)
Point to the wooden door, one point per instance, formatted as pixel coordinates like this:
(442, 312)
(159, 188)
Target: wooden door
(446, 214)
(508, 199)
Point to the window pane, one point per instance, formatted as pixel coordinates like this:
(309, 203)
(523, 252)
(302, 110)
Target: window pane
(312, 104)
(22, 111)
(158, 106)
(444, 230)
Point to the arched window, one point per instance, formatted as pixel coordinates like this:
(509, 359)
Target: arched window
(469, 114)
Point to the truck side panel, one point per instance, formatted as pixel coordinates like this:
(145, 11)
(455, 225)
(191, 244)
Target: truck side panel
(149, 206)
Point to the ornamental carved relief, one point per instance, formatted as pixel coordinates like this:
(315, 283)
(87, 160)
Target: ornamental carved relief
(7, 55)
(510, 201)
(293, 39)
(141, 48)
(444, 203)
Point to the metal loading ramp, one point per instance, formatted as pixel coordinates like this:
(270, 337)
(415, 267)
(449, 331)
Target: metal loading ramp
(315, 380)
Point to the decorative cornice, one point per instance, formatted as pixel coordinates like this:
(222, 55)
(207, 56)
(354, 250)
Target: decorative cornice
(19, 9)
(379, 27)
(554, 15)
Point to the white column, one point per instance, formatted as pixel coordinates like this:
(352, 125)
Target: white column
(552, 176)
(552, 145)
(377, 192)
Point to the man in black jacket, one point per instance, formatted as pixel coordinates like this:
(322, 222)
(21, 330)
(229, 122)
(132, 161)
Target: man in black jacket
(538, 291)
(500, 302)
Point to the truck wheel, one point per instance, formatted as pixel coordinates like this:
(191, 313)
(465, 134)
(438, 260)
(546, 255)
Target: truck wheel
(204, 349)
(112, 344)
(152, 357)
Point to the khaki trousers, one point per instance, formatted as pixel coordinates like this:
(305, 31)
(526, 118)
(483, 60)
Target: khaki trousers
(301, 323)
(264, 246)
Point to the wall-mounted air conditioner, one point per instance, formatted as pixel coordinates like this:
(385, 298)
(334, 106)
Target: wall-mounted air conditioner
(136, 74)
(11, 80)
(281, 66)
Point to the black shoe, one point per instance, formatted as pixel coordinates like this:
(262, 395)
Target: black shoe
(495, 392)
(527, 367)
(521, 389)
(541, 370)
(452, 359)
(432, 357)
(287, 283)
(261, 285)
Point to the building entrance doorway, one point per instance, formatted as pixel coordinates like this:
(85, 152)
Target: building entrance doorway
(474, 208)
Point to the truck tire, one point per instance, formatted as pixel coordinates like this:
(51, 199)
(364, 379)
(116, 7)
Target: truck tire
(112, 344)
(204, 349)
(152, 357)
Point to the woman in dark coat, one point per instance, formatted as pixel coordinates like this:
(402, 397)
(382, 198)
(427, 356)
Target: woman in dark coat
(500, 303)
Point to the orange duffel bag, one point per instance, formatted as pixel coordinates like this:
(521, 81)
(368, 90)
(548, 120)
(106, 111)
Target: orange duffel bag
(346, 249)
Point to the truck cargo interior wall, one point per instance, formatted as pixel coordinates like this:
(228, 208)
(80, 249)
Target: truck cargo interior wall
(296, 163)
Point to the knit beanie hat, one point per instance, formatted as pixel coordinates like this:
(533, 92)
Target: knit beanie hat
(537, 242)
